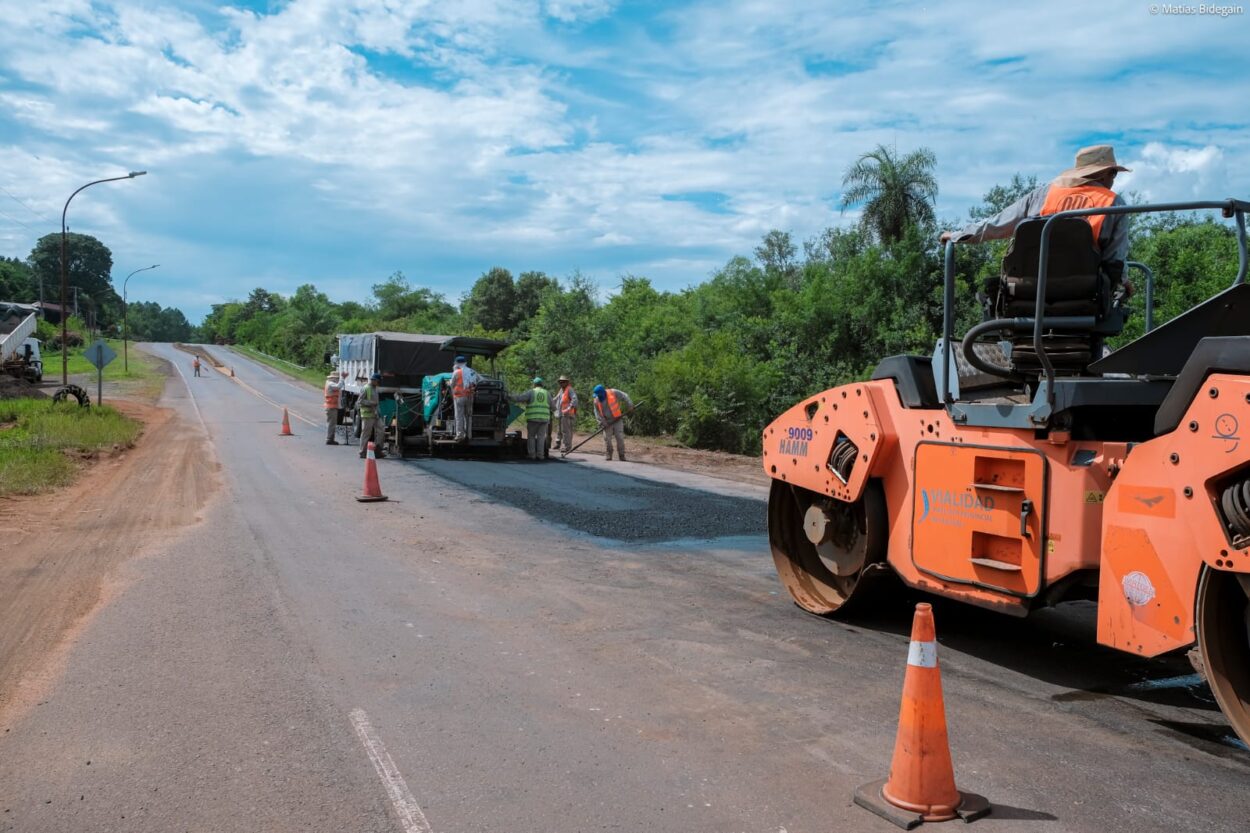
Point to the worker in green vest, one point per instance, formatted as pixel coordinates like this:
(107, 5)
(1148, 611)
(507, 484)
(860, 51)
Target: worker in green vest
(371, 428)
(538, 408)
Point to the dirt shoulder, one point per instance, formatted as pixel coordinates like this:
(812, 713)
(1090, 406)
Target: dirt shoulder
(62, 551)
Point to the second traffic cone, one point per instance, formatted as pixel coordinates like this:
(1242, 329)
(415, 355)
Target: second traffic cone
(286, 425)
(921, 786)
(373, 491)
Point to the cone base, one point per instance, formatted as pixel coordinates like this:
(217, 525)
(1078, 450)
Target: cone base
(371, 498)
(870, 797)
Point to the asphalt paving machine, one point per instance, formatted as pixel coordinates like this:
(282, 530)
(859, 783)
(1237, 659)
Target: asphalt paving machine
(1024, 464)
(492, 412)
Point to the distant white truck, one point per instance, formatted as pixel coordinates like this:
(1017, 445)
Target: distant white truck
(20, 353)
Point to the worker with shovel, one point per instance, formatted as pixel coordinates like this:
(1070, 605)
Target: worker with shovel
(611, 405)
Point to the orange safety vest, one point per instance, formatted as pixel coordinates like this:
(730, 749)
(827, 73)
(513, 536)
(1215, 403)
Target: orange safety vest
(613, 406)
(458, 388)
(566, 396)
(1059, 198)
(332, 398)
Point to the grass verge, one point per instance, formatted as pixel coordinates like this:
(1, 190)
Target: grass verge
(142, 366)
(38, 440)
(313, 376)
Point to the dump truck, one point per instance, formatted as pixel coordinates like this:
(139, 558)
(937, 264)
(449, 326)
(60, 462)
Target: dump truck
(1024, 464)
(20, 353)
(414, 394)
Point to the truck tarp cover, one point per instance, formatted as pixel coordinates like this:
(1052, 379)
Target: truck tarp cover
(403, 359)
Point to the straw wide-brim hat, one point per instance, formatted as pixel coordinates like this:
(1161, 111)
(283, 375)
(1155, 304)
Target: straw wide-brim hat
(563, 379)
(1094, 160)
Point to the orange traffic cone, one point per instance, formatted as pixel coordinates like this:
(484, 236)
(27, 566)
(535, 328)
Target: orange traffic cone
(921, 786)
(286, 425)
(373, 491)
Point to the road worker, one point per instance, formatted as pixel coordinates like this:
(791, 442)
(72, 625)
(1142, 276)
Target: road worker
(566, 411)
(611, 406)
(371, 428)
(333, 402)
(1087, 184)
(463, 386)
(195, 365)
(538, 410)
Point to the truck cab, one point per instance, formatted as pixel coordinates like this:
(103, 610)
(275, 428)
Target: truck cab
(33, 358)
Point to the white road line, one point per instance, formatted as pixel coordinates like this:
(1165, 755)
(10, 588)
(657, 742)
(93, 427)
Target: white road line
(190, 393)
(260, 395)
(410, 815)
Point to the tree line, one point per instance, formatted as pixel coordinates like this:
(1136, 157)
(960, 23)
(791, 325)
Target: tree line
(715, 362)
(89, 266)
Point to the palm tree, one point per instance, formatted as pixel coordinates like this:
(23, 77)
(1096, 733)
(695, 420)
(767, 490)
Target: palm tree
(895, 192)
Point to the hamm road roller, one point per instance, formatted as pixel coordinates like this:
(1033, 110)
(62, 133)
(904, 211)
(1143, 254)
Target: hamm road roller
(1025, 464)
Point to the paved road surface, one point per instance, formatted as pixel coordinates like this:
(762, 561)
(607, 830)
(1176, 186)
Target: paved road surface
(552, 647)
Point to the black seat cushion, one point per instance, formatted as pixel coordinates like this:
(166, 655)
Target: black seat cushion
(1072, 273)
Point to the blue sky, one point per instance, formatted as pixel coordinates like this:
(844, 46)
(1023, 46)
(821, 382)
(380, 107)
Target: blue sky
(336, 141)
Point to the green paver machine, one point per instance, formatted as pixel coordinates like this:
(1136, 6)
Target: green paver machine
(425, 422)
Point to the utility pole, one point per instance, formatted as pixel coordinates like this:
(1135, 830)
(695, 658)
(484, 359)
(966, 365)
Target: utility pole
(125, 334)
(64, 276)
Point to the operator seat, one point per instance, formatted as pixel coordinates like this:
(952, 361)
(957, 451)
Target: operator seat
(1076, 285)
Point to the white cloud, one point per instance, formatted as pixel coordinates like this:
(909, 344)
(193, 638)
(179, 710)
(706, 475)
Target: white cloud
(444, 137)
(1164, 173)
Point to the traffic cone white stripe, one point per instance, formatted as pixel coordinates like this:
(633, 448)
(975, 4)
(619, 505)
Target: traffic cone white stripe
(922, 654)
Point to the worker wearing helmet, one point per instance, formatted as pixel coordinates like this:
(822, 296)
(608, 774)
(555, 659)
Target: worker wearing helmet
(370, 425)
(566, 411)
(463, 386)
(538, 409)
(1085, 185)
(333, 393)
(611, 406)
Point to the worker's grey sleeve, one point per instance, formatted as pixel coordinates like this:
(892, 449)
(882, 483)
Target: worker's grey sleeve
(629, 405)
(1115, 235)
(521, 397)
(1003, 224)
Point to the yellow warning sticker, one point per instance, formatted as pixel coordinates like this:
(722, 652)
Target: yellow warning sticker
(1050, 546)
(1095, 497)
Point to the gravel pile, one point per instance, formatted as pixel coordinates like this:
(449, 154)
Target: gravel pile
(13, 388)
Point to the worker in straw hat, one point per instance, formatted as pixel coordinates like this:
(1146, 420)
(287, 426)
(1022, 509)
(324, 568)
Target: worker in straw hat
(538, 409)
(1087, 184)
(566, 412)
(333, 398)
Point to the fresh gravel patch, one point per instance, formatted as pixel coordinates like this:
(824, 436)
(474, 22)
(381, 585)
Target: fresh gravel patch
(615, 506)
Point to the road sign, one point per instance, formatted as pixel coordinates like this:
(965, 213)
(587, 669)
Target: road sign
(100, 354)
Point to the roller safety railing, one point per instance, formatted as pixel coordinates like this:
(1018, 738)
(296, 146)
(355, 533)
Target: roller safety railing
(1229, 208)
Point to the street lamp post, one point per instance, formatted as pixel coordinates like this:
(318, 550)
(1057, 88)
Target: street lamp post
(64, 279)
(125, 308)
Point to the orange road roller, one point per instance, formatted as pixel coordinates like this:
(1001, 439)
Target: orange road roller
(1027, 464)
